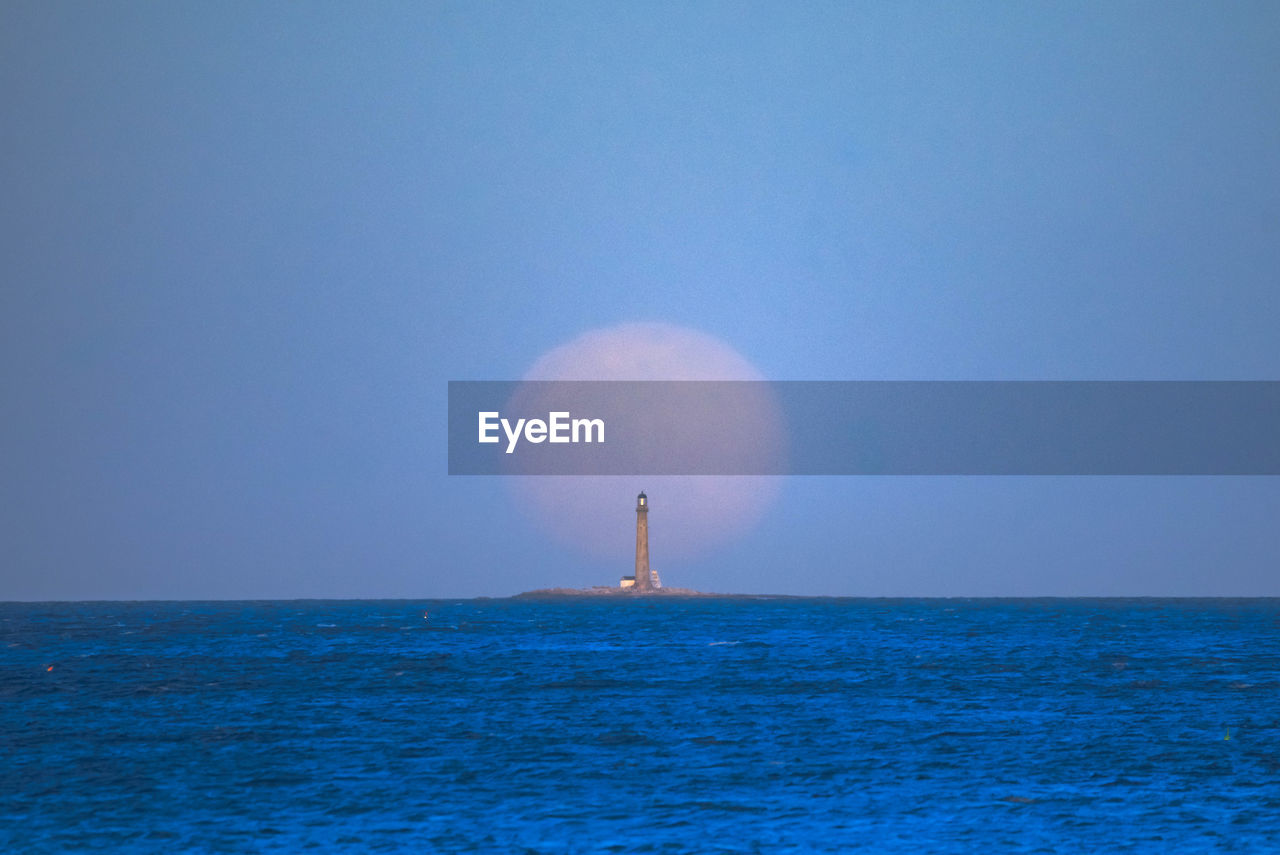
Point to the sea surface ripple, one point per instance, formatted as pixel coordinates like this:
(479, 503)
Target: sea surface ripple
(659, 725)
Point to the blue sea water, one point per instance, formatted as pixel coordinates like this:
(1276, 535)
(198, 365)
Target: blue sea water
(659, 725)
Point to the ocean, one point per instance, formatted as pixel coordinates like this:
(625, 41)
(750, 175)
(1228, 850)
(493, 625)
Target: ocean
(641, 725)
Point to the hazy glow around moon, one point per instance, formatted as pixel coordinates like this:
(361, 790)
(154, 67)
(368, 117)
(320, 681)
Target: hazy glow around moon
(690, 514)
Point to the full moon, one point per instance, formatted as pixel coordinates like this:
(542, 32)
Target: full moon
(691, 515)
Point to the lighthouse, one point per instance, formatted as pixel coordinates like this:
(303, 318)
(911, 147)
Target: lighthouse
(644, 581)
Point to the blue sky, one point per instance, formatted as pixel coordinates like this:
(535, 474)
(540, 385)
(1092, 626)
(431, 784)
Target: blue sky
(247, 244)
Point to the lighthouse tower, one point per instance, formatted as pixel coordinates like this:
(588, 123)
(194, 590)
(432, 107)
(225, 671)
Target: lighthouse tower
(644, 581)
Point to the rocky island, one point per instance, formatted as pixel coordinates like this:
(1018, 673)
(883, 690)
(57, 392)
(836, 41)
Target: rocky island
(606, 591)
